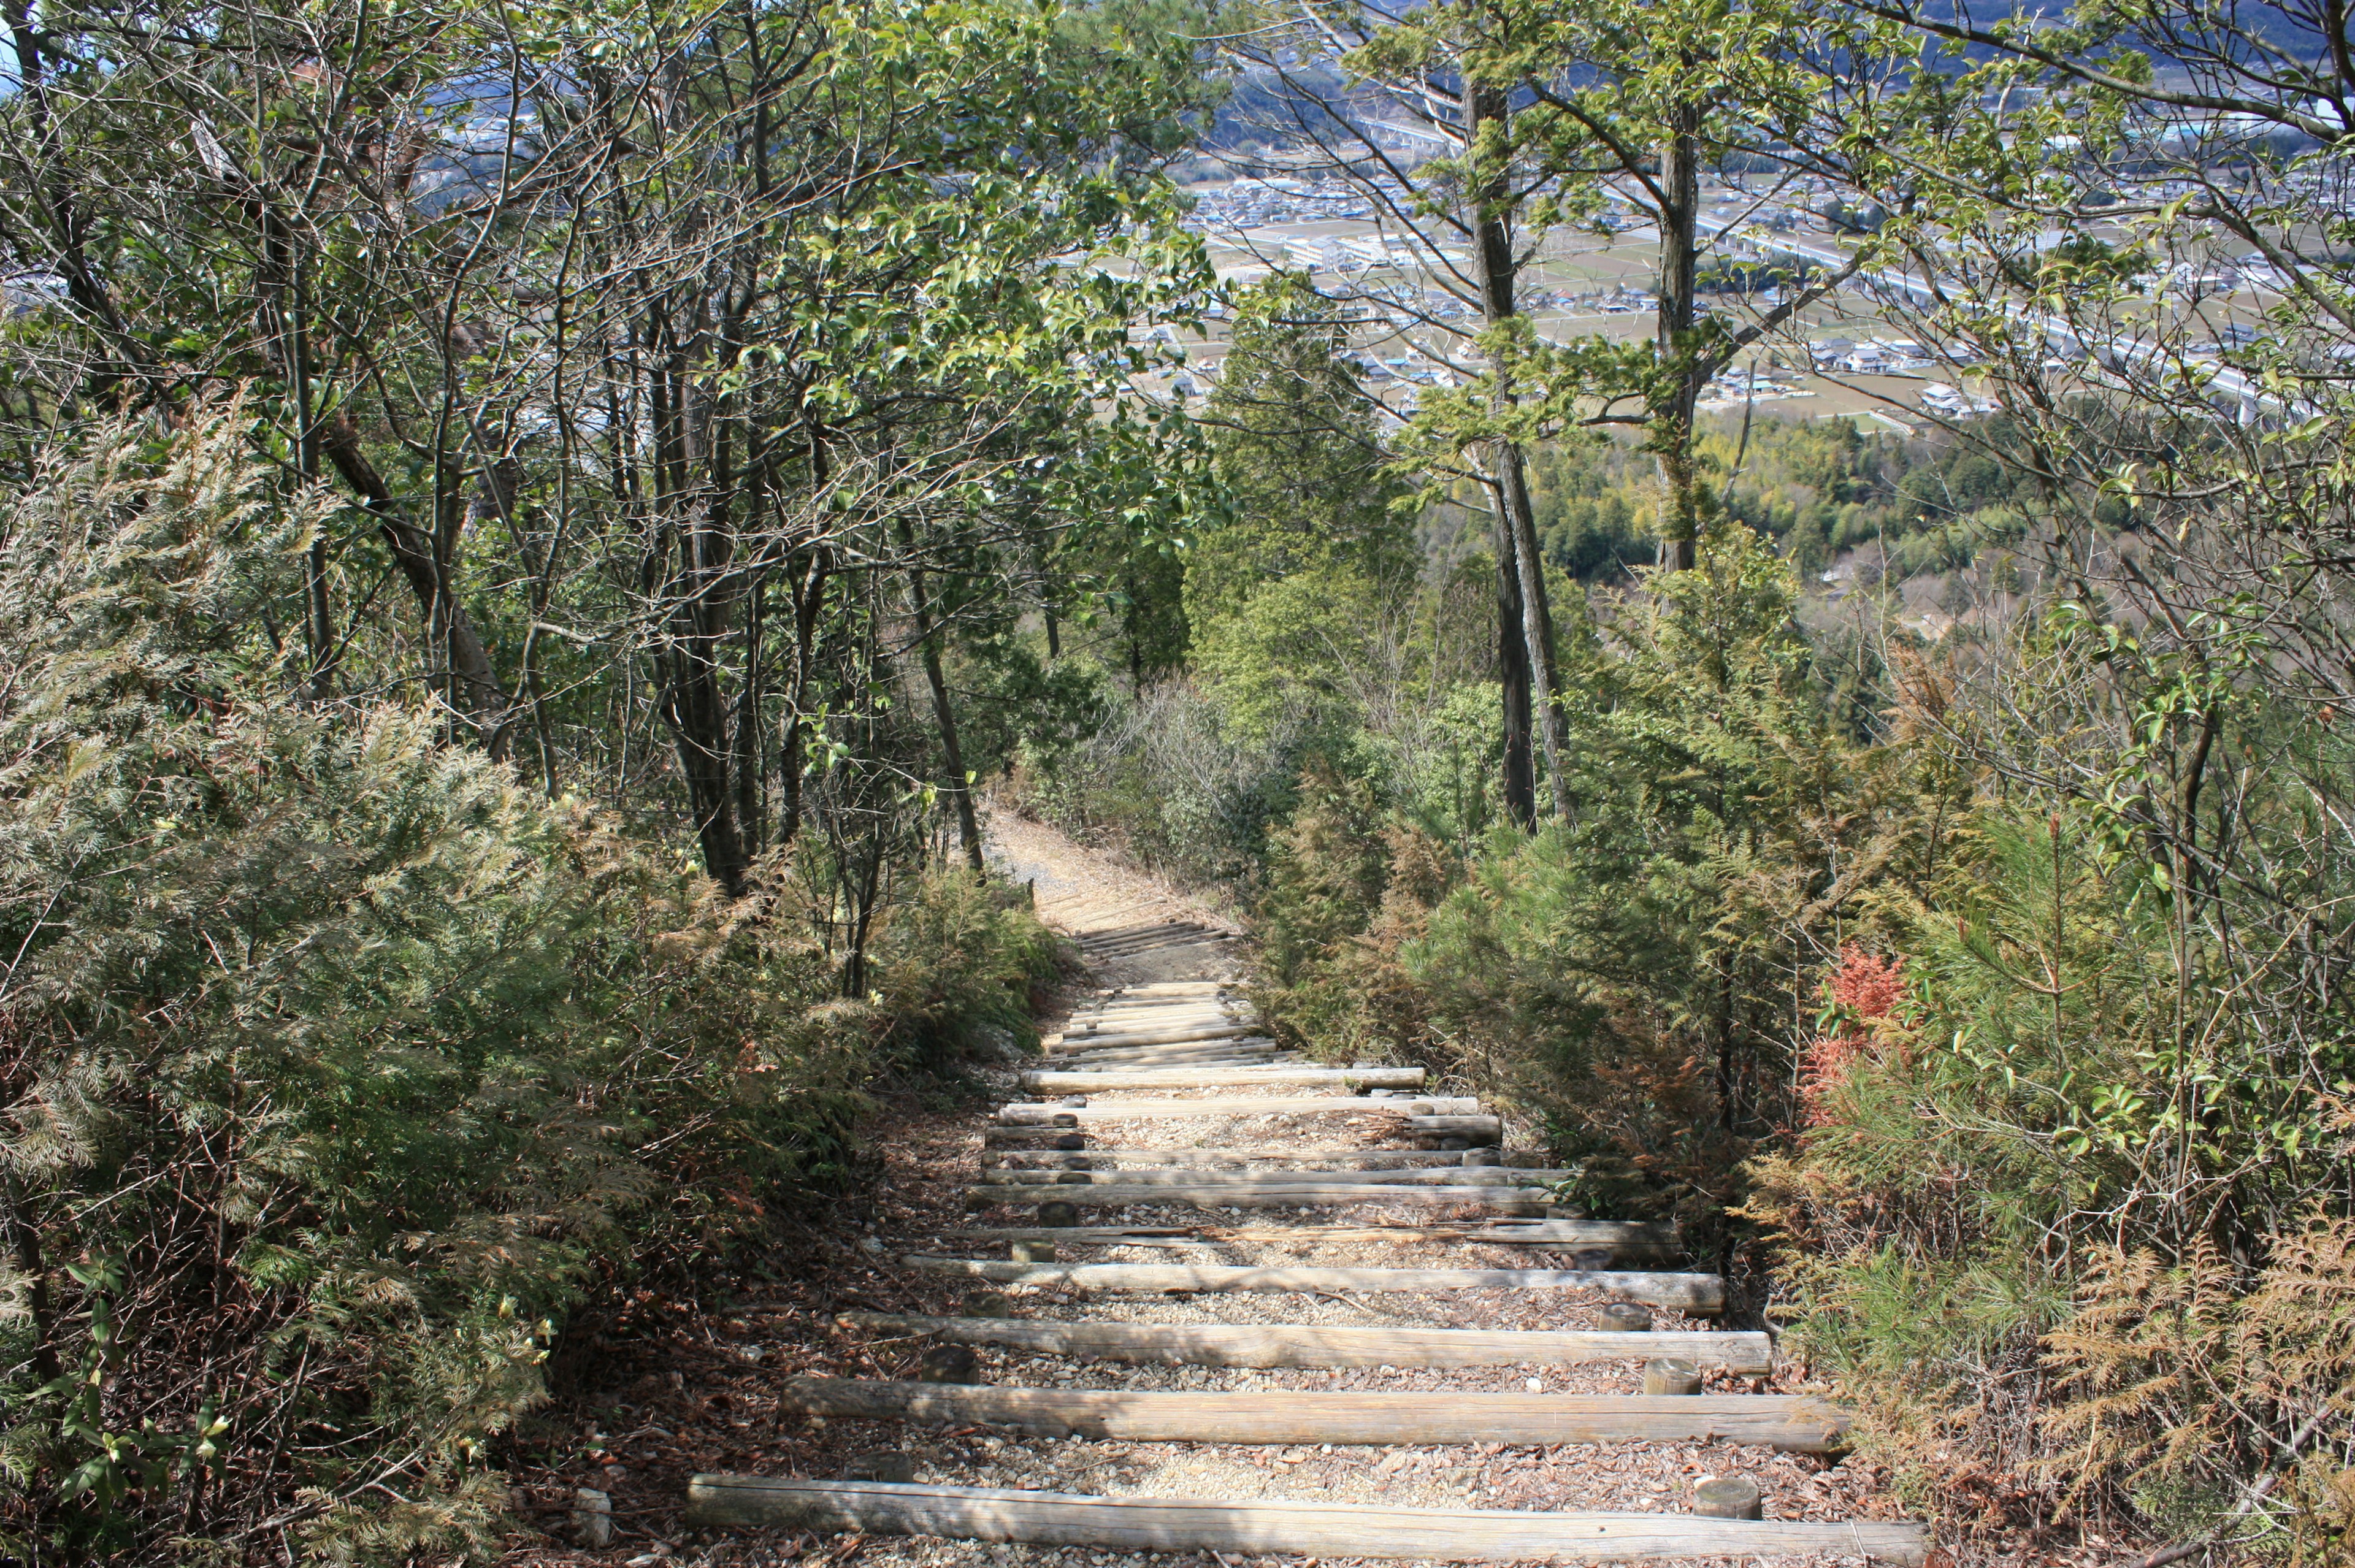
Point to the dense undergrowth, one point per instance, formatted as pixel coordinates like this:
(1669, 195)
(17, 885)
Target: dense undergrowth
(1913, 981)
(344, 1066)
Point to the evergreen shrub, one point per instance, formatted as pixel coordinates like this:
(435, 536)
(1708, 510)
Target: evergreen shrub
(338, 1066)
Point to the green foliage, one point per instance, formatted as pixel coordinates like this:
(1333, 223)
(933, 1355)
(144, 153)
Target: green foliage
(2022, 1182)
(963, 966)
(1818, 487)
(1314, 639)
(1626, 975)
(1170, 779)
(1297, 459)
(351, 1064)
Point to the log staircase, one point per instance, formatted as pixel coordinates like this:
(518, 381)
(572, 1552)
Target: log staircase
(1163, 1123)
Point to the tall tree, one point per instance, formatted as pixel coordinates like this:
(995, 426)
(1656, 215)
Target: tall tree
(1600, 109)
(1446, 229)
(663, 354)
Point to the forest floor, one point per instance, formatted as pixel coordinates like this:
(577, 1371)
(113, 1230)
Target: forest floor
(676, 1383)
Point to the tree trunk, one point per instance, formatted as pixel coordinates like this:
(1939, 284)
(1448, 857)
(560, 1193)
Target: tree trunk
(1536, 620)
(412, 551)
(944, 715)
(698, 714)
(952, 757)
(809, 598)
(284, 287)
(1672, 425)
(1493, 269)
(1513, 677)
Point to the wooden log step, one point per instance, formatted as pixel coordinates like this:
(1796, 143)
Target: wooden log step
(1131, 933)
(1082, 1026)
(1146, 1159)
(1034, 1139)
(1438, 1108)
(1274, 1529)
(1302, 1345)
(1702, 1294)
(1440, 1176)
(1166, 933)
(1530, 1201)
(1181, 1009)
(1077, 1048)
(1624, 1239)
(1122, 946)
(1481, 1129)
(1175, 1034)
(1794, 1424)
(1146, 1058)
(1152, 1158)
(1248, 1048)
(1107, 1078)
(1377, 1159)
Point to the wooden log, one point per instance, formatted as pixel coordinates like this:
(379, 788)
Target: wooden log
(1132, 932)
(1171, 933)
(1083, 1031)
(1794, 1424)
(1301, 1345)
(1081, 1025)
(1181, 1010)
(1245, 1049)
(1378, 1159)
(1030, 1138)
(1701, 1294)
(1274, 1529)
(1126, 934)
(1437, 1175)
(1179, 993)
(1623, 1238)
(1529, 1200)
(1195, 993)
(1442, 1108)
(1296, 1159)
(1221, 1054)
(1471, 1125)
(1175, 1034)
(1168, 933)
(1107, 1079)
(1241, 1047)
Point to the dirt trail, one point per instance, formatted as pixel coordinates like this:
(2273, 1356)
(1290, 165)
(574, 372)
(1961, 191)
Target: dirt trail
(1087, 894)
(725, 1406)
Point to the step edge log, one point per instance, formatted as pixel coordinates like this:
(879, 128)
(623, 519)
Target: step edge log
(1481, 1233)
(1793, 1424)
(1211, 1195)
(1016, 1116)
(1740, 1353)
(1288, 1529)
(1114, 1194)
(1697, 1293)
(1177, 1076)
(1211, 1176)
(1798, 1424)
